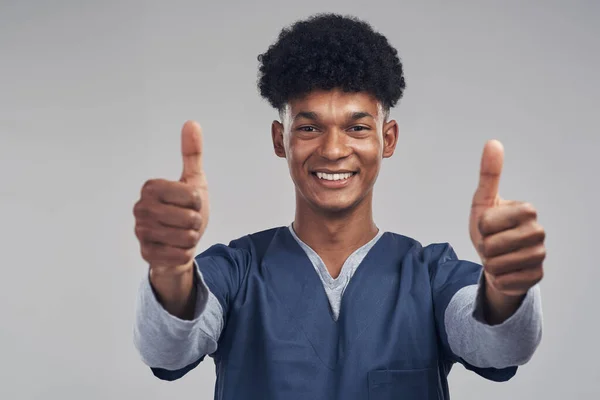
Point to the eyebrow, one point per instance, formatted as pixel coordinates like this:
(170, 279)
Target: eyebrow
(353, 116)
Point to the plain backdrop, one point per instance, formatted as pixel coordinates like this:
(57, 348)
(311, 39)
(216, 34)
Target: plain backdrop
(92, 99)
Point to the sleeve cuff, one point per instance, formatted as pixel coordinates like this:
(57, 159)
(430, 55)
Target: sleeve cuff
(154, 307)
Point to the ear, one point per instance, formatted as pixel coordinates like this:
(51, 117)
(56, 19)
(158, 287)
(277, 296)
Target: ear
(390, 138)
(277, 136)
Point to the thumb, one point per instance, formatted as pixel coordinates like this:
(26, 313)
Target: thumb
(191, 152)
(489, 174)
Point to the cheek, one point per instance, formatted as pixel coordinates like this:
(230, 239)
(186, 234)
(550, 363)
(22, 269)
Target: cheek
(297, 155)
(370, 153)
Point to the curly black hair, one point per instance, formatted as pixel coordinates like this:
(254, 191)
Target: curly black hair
(328, 51)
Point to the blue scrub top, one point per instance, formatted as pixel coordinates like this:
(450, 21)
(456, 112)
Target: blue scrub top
(281, 342)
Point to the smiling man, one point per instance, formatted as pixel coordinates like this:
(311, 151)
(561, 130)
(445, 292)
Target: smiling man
(331, 307)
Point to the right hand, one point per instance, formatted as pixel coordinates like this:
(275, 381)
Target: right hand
(171, 216)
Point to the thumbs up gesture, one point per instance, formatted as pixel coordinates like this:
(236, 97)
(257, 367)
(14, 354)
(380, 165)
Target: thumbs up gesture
(506, 235)
(171, 216)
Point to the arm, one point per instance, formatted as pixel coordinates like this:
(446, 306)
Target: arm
(172, 346)
(508, 342)
(492, 351)
(169, 342)
(496, 323)
(178, 321)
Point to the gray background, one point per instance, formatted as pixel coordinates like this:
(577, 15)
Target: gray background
(92, 99)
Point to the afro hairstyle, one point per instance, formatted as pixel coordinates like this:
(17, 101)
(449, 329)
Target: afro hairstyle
(330, 51)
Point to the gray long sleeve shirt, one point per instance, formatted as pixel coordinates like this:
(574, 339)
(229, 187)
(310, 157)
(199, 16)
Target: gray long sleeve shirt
(165, 341)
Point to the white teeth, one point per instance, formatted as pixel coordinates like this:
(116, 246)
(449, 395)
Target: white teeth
(334, 177)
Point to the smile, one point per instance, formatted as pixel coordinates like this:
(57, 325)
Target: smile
(334, 180)
(334, 177)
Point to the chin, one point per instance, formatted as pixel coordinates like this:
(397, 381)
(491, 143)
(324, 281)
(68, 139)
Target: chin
(335, 207)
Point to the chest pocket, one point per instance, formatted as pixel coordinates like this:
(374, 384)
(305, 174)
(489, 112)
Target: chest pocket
(408, 384)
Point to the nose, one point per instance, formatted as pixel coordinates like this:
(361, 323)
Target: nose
(334, 145)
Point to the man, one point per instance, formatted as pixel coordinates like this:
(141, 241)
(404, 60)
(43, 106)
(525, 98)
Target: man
(331, 307)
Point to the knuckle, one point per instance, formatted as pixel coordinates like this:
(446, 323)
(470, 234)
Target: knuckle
(484, 222)
(141, 210)
(141, 231)
(136, 208)
(148, 187)
(540, 274)
(533, 232)
(540, 232)
(147, 253)
(201, 221)
(152, 187)
(529, 210)
(535, 277)
(541, 252)
(191, 238)
(194, 219)
(196, 198)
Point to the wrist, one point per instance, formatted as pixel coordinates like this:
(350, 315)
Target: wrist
(174, 289)
(499, 306)
(171, 272)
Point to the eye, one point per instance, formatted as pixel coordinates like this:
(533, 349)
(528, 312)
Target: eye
(307, 128)
(359, 128)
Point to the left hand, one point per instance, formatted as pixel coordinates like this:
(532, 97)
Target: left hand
(505, 233)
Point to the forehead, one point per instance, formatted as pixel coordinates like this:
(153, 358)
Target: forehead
(334, 103)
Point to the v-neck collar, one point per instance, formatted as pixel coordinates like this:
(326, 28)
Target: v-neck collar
(349, 266)
(297, 286)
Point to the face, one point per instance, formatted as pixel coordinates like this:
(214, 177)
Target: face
(334, 143)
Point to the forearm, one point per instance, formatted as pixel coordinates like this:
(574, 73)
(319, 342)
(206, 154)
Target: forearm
(497, 307)
(176, 290)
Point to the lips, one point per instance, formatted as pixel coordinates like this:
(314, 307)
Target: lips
(334, 179)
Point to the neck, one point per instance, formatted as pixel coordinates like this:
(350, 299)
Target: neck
(327, 232)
